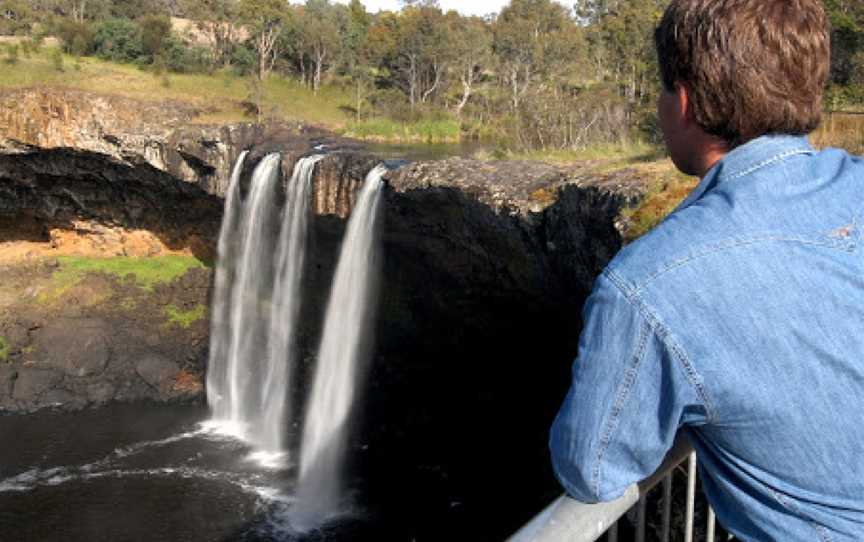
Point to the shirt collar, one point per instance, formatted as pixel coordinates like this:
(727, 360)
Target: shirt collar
(747, 158)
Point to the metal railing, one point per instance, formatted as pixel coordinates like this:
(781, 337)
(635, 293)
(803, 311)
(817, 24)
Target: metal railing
(572, 521)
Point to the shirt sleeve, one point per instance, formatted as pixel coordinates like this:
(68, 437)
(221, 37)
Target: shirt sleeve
(626, 402)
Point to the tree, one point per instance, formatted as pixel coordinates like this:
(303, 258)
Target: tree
(356, 54)
(471, 47)
(118, 40)
(529, 37)
(264, 19)
(620, 40)
(16, 17)
(320, 27)
(847, 39)
(154, 31)
(422, 51)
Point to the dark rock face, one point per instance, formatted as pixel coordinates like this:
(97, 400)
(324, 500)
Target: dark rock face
(103, 339)
(482, 289)
(485, 270)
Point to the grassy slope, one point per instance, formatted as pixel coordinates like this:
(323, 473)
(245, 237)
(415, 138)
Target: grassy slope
(219, 96)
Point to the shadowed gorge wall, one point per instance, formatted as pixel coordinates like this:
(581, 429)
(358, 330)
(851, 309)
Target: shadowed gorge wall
(485, 269)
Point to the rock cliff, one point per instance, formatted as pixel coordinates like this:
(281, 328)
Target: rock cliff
(485, 268)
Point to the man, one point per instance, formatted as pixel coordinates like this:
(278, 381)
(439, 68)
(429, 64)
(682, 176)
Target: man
(739, 320)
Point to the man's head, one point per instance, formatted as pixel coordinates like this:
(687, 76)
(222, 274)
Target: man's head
(746, 67)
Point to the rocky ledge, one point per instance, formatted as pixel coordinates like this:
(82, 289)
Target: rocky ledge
(107, 264)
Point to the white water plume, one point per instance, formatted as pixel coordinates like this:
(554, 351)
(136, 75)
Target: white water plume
(256, 304)
(340, 363)
(285, 307)
(248, 289)
(220, 313)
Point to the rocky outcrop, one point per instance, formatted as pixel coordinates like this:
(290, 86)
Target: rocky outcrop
(485, 268)
(157, 133)
(85, 340)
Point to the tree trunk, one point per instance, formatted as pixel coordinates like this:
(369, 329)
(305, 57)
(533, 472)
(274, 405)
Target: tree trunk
(434, 86)
(514, 87)
(359, 100)
(262, 56)
(320, 56)
(466, 90)
(412, 83)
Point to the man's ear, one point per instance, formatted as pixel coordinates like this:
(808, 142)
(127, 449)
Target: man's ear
(682, 95)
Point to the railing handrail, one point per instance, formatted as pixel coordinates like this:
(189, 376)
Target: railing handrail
(567, 519)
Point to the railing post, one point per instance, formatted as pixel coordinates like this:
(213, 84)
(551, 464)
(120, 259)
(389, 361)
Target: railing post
(667, 508)
(691, 497)
(712, 522)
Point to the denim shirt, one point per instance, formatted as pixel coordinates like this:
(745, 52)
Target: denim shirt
(739, 321)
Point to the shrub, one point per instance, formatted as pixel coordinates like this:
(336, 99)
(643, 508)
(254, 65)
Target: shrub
(182, 58)
(118, 40)
(155, 29)
(77, 38)
(57, 59)
(11, 55)
(243, 59)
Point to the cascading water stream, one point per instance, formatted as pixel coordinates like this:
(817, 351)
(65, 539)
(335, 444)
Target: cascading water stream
(285, 305)
(255, 317)
(340, 361)
(217, 375)
(253, 284)
(256, 304)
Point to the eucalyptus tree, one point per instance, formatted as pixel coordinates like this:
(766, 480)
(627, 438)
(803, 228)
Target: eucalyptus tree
(264, 20)
(471, 50)
(320, 26)
(16, 17)
(619, 38)
(528, 39)
(422, 51)
(356, 53)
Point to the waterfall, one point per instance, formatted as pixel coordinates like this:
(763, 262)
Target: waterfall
(340, 360)
(256, 304)
(220, 313)
(253, 285)
(285, 305)
(256, 301)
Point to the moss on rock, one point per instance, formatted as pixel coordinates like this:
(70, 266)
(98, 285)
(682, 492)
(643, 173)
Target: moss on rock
(184, 319)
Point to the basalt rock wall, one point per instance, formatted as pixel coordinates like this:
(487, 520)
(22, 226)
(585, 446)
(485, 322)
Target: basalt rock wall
(485, 269)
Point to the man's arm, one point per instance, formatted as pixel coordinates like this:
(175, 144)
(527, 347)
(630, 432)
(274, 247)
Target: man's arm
(628, 398)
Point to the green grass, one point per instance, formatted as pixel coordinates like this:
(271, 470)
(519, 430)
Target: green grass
(612, 155)
(4, 349)
(219, 95)
(182, 318)
(391, 131)
(146, 272)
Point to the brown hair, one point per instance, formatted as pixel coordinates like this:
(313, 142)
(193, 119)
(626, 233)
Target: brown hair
(752, 67)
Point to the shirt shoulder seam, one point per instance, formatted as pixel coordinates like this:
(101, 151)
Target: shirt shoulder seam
(766, 162)
(848, 244)
(634, 299)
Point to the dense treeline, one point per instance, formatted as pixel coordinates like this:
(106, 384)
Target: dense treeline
(537, 75)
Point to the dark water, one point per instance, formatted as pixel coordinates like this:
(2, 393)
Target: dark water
(136, 472)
